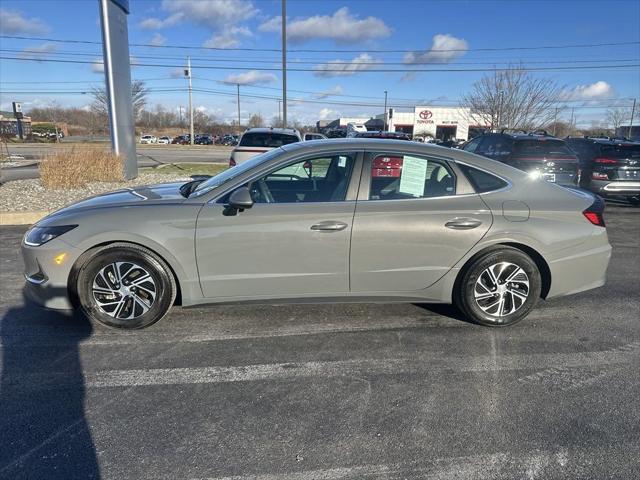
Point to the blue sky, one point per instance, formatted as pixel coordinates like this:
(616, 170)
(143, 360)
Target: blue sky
(352, 35)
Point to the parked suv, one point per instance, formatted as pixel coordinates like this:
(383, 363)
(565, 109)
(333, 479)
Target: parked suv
(610, 166)
(255, 141)
(538, 152)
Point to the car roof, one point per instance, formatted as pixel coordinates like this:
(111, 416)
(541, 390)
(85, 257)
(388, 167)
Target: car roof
(285, 131)
(605, 141)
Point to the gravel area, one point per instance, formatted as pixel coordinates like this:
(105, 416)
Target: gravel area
(30, 195)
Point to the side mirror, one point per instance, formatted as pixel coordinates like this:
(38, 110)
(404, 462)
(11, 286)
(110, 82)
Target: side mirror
(239, 200)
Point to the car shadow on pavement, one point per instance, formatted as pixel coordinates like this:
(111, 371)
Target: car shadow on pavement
(444, 309)
(43, 429)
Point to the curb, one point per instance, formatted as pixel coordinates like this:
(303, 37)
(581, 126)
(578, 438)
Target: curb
(22, 218)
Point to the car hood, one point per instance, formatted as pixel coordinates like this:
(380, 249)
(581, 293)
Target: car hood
(146, 194)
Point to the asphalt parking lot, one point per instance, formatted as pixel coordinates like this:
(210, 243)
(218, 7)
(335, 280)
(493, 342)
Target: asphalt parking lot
(327, 392)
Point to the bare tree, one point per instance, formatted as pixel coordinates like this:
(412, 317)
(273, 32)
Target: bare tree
(618, 116)
(138, 97)
(513, 98)
(255, 120)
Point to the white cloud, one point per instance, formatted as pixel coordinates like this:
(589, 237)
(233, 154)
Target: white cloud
(337, 90)
(445, 48)
(593, 91)
(208, 13)
(13, 22)
(158, 40)
(341, 27)
(40, 52)
(251, 77)
(341, 68)
(326, 113)
(228, 38)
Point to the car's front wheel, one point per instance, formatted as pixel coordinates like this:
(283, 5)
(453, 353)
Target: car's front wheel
(124, 286)
(498, 288)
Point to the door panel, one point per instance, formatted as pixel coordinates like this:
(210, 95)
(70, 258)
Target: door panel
(271, 249)
(407, 244)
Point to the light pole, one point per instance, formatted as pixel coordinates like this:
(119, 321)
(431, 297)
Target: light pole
(633, 112)
(385, 110)
(239, 128)
(284, 63)
(188, 72)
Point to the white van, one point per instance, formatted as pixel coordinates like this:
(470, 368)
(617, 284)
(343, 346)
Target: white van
(353, 128)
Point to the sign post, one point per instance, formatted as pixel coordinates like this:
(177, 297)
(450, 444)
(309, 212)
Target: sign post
(17, 113)
(117, 73)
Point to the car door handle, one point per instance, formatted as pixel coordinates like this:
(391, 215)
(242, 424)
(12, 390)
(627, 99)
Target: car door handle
(463, 223)
(329, 226)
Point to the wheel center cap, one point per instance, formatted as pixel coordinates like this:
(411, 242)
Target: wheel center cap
(502, 289)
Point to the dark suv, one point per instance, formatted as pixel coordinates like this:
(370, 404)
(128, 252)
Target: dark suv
(610, 166)
(531, 152)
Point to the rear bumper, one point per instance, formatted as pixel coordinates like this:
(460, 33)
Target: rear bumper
(581, 270)
(615, 187)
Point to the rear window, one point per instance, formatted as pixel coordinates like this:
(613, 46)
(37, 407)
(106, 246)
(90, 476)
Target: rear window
(267, 139)
(541, 147)
(482, 181)
(620, 151)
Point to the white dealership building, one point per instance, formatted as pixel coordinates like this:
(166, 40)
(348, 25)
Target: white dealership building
(444, 123)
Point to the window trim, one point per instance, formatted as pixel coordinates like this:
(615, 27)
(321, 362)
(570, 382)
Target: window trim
(352, 188)
(503, 189)
(370, 155)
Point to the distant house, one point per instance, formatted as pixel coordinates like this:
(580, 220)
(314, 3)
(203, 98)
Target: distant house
(9, 125)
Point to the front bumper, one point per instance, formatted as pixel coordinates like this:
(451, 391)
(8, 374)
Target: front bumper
(47, 269)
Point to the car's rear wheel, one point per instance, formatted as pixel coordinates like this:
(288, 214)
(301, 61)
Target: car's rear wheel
(124, 286)
(498, 288)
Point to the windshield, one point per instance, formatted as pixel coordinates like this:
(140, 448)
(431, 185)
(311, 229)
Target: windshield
(267, 139)
(233, 172)
(621, 151)
(541, 148)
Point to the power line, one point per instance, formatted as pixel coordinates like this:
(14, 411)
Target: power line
(339, 71)
(25, 53)
(250, 49)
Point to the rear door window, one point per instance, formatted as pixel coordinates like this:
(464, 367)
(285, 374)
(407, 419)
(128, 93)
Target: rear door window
(267, 139)
(541, 148)
(399, 176)
(495, 146)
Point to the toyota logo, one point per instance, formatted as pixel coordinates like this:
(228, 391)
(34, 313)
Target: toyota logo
(425, 114)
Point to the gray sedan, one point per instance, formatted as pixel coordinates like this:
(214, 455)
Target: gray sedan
(351, 220)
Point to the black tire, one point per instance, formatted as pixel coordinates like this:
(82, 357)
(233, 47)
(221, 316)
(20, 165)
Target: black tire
(467, 286)
(161, 282)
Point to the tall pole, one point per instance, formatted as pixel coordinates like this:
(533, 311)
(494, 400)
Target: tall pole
(239, 128)
(279, 113)
(284, 63)
(633, 112)
(191, 140)
(385, 110)
(555, 122)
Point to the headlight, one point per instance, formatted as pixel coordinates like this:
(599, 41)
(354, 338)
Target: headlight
(39, 235)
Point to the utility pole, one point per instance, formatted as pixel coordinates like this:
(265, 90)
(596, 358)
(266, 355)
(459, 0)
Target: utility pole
(188, 72)
(572, 120)
(499, 119)
(279, 113)
(284, 63)
(633, 112)
(239, 128)
(385, 110)
(555, 122)
(180, 109)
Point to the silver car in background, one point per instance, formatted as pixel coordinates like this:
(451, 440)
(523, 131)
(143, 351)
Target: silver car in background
(350, 220)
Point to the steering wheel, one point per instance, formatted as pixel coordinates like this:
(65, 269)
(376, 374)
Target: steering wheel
(264, 191)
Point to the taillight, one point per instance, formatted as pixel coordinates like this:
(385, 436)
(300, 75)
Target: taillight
(599, 176)
(606, 161)
(232, 162)
(595, 212)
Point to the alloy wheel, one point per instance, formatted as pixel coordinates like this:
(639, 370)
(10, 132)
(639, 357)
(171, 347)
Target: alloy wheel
(501, 289)
(124, 290)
